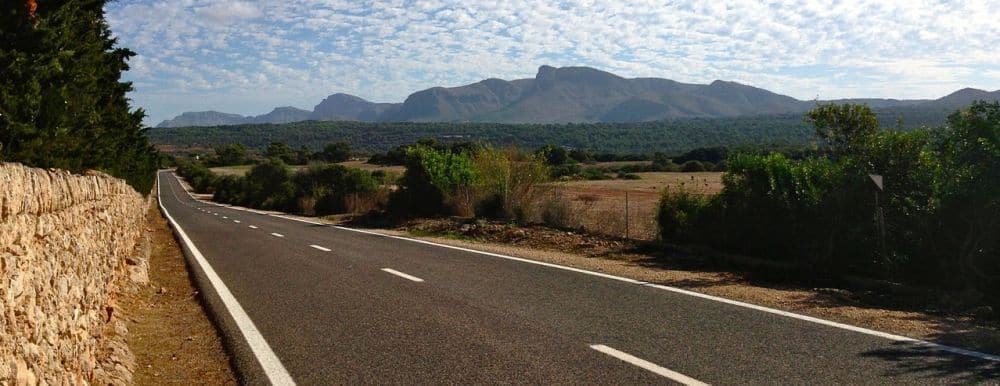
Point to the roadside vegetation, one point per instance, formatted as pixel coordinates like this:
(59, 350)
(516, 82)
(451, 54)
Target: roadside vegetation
(934, 223)
(811, 209)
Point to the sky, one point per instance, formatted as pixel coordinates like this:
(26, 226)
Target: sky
(247, 57)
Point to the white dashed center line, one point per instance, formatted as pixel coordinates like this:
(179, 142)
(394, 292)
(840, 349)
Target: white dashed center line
(652, 367)
(253, 227)
(403, 275)
(277, 235)
(236, 221)
(320, 248)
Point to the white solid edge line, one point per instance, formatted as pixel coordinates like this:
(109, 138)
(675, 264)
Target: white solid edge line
(277, 235)
(252, 226)
(320, 248)
(403, 275)
(862, 330)
(652, 367)
(272, 366)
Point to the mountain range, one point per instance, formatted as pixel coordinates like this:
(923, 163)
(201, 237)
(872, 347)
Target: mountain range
(564, 95)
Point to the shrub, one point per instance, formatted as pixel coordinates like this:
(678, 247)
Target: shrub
(692, 166)
(202, 179)
(678, 213)
(327, 186)
(508, 182)
(431, 178)
(269, 186)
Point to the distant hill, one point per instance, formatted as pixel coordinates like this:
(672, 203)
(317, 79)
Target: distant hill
(572, 95)
(215, 118)
(961, 98)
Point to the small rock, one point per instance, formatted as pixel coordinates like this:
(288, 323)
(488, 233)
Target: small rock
(190, 338)
(162, 290)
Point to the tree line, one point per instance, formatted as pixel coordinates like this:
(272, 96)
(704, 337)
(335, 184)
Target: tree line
(935, 221)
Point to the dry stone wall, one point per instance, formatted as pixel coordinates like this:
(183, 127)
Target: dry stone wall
(69, 246)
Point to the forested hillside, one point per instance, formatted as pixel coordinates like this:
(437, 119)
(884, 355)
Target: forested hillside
(670, 136)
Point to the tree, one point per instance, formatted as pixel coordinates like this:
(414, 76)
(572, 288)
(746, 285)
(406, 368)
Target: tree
(282, 151)
(553, 155)
(337, 152)
(62, 103)
(231, 154)
(970, 200)
(581, 156)
(843, 128)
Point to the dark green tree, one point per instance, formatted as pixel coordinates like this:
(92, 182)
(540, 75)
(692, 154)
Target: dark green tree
(843, 128)
(231, 154)
(337, 152)
(554, 155)
(62, 103)
(282, 151)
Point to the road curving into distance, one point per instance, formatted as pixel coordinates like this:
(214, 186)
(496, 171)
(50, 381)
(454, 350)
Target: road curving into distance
(301, 302)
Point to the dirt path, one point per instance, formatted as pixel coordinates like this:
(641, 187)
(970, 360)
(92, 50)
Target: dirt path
(170, 335)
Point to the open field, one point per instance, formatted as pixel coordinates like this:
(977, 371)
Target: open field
(243, 169)
(599, 206)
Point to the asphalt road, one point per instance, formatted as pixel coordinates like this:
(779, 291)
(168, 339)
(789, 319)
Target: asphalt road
(336, 306)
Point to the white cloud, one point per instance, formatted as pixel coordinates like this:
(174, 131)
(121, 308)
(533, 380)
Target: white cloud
(269, 53)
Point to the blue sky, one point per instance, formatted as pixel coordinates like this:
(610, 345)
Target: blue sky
(247, 57)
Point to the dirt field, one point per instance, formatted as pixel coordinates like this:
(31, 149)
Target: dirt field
(599, 206)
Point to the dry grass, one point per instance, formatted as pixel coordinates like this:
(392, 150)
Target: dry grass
(599, 206)
(170, 335)
(399, 169)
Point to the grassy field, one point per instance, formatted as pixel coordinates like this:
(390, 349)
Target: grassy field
(599, 206)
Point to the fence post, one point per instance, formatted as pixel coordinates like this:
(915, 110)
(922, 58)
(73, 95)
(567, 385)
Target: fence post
(626, 216)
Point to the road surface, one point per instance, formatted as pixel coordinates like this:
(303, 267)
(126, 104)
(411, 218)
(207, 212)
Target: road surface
(313, 304)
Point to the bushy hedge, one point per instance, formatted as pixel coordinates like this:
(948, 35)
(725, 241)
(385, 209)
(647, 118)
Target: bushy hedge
(941, 202)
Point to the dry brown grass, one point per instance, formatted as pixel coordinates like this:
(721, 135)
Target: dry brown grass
(370, 167)
(599, 206)
(172, 338)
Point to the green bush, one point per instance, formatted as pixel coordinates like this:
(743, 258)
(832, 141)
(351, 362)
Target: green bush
(330, 184)
(269, 186)
(432, 178)
(202, 179)
(677, 214)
